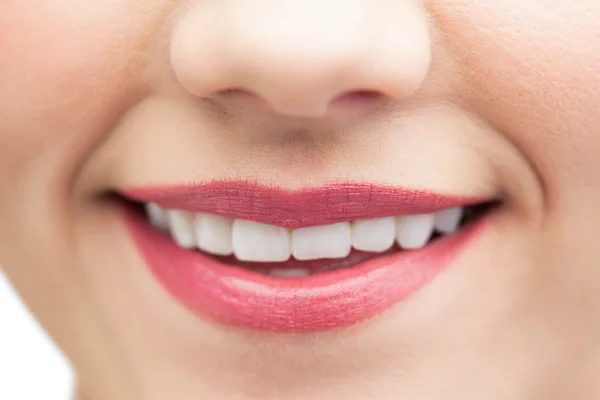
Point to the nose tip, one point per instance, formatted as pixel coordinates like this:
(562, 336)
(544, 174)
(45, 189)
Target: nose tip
(301, 59)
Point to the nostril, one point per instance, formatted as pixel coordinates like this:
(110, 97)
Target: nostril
(242, 97)
(358, 100)
(358, 96)
(233, 93)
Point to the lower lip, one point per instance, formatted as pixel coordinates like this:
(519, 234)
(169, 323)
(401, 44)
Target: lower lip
(236, 297)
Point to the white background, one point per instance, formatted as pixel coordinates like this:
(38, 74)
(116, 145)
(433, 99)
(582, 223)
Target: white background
(31, 367)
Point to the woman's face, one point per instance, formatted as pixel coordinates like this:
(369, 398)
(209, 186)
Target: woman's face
(269, 104)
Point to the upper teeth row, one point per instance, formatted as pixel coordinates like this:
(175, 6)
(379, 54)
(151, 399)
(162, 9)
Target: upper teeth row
(253, 241)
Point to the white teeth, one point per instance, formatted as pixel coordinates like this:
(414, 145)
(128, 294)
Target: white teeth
(289, 272)
(329, 241)
(157, 216)
(375, 235)
(448, 221)
(213, 234)
(182, 228)
(414, 231)
(253, 241)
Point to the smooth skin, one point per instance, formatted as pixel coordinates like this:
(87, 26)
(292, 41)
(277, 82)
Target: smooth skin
(465, 97)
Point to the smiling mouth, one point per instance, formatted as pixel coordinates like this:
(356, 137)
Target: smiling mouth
(265, 259)
(296, 253)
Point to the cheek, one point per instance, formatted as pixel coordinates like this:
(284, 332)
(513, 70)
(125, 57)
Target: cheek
(65, 71)
(65, 63)
(533, 70)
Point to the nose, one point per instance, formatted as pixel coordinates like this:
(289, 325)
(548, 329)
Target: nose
(302, 57)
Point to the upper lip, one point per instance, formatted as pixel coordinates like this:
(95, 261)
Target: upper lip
(297, 209)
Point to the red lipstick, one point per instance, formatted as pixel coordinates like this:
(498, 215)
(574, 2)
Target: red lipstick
(297, 209)
(234, 296)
